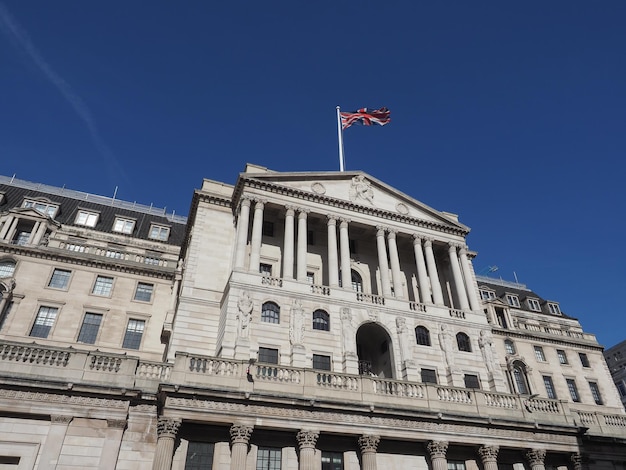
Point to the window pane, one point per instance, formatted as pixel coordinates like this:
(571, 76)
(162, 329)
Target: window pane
(124, 226)
(268, 458)
(547, 381)
(509, 346)
(422, 336)
(573, 391)
(270, 313)
(321, 362)
(103, 286)
(471, 381)
(44, 321)
(562, 356)
(268, 355)
(321, 320)
(584, 360)
(144, 292)
(429, 376)
(332, 461)
(463, 342)
(595, 393)
(60, 279)
(158, 232)
(89, 329)
(539, 354)
(199, 456)
(7, 268)
(134, 332)
(86, 218)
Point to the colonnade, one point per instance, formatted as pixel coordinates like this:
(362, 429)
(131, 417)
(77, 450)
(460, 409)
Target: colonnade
(9, 228)
(338, 256)
(306, 439)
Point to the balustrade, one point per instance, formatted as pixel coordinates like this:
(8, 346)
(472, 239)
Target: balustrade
(417, 307)
(370, 298)
(18, 353)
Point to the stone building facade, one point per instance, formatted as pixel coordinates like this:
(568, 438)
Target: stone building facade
(296, 321)
(616, 359)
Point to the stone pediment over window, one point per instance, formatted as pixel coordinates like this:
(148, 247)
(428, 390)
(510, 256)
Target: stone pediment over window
(28, 213)
(357, 190)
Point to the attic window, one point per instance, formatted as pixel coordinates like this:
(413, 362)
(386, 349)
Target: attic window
(124, 225)
(487, 294)
(159, 232)
(554, 308)
(512, 300)
(87, 218)
(44, 208)
(2, 198)
(533, 304)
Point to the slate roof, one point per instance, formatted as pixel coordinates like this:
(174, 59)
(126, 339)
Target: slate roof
(70, 202)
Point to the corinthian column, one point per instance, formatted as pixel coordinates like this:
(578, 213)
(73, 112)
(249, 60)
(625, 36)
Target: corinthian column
(167, 429)
(306, 443)
(242, 232)
(433, 275)
(333, 257)
(368, 444)
(422, 276)
(344, 241)
(535, 458)
(302, 236)
(458, 278)
(437, 451)
(257, 236)
(239, 439)
(396, 274)
(489, 456)
(288, 244)
(383, 266)
(469, 283)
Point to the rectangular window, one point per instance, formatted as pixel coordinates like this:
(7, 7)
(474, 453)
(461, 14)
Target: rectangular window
(584, 360)
(501, 318)
(554, 309)
(562, 356)
(199, 456)
(268, 355)
(547, 381)
(310, 278)
(332, 460)
(44, 321)
(134, 332)
(268, 458)
(539, 354)
(533, 304)
(43, 208)
(103, 286)
(143, 293)
(89, 219)
(573, 390)
(22, 238)
(512, 300)
(89, 329)
(621, 388)
(429, 376)
(123, 225)
(159, 232)
(487, 294)
(595, 393)
(265, 269)
(471, 381)
(321, 362)
(456, 465)
(60, 279)
(268, 228)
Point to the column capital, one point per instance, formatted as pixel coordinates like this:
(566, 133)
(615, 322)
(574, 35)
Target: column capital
(437, 449)
(417, 238)
(259, 202)
(462, 249)
(302, 212)
(368, 443)
(380, 230)
(488, 453)
(535, 456)
(428, 241)
(577, 461)
(344, 221)
(289, 209)
(245, 201)
(307, 439)
(331, 219)
(452, 247)
(168, 427)
(240, 434)
(391, 233)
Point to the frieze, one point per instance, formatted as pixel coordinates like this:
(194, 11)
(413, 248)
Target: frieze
(64, 399)
(363, 420)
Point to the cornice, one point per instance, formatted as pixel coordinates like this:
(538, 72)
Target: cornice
(215, 200)
(544, 339)
(341, 204)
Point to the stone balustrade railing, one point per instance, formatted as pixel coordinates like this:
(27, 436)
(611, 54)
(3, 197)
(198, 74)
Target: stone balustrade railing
(370, 298)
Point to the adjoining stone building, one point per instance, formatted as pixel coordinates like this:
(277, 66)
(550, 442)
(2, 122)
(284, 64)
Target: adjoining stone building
(616, 359)
(295, 321)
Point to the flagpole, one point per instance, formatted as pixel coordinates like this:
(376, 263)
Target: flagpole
(340, 135)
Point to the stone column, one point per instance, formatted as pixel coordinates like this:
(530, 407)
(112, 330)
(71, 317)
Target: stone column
(422, 276)
(458, 278)
(489, 457)
(54, 441)
(167, 429)
(257, 236)
(288, 244)
(368, 444)
(242, 232)
(306, 443)
(302, 242)
(577, 461)
(433, 275)
(383, 266)
(12, 229)
(33, 232)
(40, 233)
(437, 451)
(239, 438)
(396, 274)
(333, 257)
(7, 224)
(344, 242)
(535, 458)
(469, 283)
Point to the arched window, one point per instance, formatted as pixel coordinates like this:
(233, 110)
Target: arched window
(321, 320)
(7, 268)
(422, 335)
(463, 342)
(520, 378)
(270, 313)
(509, 346)
(357, 281)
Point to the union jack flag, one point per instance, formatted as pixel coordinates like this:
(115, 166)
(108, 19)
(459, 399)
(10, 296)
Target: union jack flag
(366, 117)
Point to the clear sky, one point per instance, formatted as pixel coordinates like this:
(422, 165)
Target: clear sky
(510, 114)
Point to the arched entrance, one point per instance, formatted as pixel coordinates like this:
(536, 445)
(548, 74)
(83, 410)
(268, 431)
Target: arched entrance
(373, 346)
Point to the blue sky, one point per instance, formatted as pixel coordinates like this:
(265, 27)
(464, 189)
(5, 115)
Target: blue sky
(510, 114)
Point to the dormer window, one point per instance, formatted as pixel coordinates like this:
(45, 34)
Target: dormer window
(159, 232)
(44, 208)
(533, 304)
(86, 218)
(512, 300)
(554, 308)
(124, 225)
(487, 294)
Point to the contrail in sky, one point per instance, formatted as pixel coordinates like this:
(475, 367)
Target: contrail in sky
(20, 40)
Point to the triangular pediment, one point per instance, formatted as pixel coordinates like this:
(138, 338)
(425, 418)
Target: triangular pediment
(353, 188)
(29, 212)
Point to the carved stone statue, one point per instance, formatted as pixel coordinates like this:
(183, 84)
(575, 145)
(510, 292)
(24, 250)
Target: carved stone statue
(244, 307)
(360, 188)
(486, 348)
(445, 341)
(296, 328)
(347, 331)
(404, 341)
